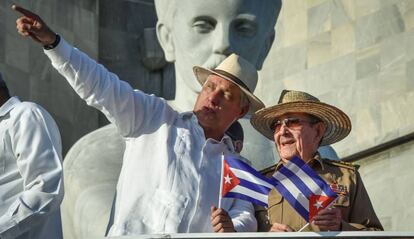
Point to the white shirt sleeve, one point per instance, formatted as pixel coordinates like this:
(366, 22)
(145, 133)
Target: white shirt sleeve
(242, 215)
(130, 110)
(37, 147)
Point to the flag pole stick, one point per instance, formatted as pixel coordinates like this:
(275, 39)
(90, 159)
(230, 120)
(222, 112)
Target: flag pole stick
(307, 224)
(221, 180)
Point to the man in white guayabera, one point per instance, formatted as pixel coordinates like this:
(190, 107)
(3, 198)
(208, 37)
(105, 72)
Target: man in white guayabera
(170, 177)
(191, 32)
(31, 179)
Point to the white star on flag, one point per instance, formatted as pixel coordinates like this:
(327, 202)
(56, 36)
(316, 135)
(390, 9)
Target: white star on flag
(318, 204)
(227, 179)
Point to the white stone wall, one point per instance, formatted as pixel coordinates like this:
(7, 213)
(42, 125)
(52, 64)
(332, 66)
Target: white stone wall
(357, 55)
(28, 72)
(388, 177)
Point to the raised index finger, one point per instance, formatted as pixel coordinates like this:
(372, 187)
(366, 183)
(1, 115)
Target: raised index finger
(24, 11)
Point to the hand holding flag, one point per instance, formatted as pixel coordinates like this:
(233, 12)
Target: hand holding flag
(221, 221)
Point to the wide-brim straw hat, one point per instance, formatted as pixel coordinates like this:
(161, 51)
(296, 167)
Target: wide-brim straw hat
(238, 71)
(338, 124)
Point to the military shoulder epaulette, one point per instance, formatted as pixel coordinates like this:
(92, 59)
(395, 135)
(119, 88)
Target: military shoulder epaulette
(268, 169)
(342, 164)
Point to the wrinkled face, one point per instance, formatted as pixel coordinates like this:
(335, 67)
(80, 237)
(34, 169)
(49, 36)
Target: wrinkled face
(298, 135)
(218, 104)
(204, 33)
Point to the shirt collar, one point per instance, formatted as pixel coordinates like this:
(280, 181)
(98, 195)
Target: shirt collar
(9, 105)
(316, 161)
(226, 140)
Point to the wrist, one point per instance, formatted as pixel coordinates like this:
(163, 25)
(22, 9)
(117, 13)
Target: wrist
(53, 43)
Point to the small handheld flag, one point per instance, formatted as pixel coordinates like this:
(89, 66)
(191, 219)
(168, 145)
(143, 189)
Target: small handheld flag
(240, 180)
(303, 188)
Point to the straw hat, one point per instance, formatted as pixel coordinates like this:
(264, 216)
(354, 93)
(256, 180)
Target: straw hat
(240, 72)
(337, 122)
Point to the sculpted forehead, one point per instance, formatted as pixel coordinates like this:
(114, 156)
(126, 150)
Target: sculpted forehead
(262, 9)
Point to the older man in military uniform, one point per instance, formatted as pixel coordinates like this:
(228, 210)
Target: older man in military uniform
(299, 124)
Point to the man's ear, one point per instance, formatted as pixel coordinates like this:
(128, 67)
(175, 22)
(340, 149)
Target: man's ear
(164, 36)
(244, 111)
(265, 49)
(320, 131)
(238, 146)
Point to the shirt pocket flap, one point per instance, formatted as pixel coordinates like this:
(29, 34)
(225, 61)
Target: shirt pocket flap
(274, 198)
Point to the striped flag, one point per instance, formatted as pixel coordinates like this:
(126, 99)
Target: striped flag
(305, 190)
(240, 180)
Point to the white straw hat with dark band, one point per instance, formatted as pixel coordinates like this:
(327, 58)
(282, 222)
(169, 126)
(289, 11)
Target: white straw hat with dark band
(338, 124)
(240, 72)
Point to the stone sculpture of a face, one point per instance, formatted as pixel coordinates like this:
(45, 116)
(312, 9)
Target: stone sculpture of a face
(203, 33)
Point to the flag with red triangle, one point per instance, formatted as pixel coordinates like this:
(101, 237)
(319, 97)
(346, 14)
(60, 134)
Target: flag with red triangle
(317, 203)
(240, 180)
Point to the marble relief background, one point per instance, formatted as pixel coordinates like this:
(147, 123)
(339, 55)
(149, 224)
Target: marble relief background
(29, 73)
(357, 55)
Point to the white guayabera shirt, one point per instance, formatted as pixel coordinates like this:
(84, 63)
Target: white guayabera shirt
(31, 180)
(170, 174)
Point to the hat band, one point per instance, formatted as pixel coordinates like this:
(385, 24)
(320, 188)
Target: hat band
(233, 78)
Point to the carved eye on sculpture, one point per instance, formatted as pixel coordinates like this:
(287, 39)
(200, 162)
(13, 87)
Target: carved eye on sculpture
(245, 27)
(204, 25)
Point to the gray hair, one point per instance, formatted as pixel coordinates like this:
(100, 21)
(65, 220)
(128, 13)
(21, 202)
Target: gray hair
(244, 100)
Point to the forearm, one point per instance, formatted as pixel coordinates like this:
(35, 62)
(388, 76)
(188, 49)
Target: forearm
(242, 215)
(345, 226)
(91, 81)
(25, 219)
(127, 108)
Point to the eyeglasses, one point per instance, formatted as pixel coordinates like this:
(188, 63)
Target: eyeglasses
(291, 123)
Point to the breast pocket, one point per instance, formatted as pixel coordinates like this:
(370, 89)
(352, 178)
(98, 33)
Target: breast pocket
(275, 207)
(165, 211)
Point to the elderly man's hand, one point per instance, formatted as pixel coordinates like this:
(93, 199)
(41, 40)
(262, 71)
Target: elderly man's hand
(221, 221)
(328, 219)
(33, 26)
(278, 227)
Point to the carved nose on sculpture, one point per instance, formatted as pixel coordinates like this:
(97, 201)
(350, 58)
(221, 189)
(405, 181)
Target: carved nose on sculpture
(222, 40)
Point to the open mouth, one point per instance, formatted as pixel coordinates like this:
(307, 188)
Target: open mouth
(208, 110)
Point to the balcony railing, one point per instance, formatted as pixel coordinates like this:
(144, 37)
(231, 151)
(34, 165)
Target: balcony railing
(354, 234)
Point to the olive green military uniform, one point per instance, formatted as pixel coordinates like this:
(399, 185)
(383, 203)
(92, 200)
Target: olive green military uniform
(344, 179)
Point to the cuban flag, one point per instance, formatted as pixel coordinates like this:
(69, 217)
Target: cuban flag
(303, 188)
(240, 180)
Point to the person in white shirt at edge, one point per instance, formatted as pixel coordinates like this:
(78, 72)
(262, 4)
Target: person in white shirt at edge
(31, 180)
(170, 177)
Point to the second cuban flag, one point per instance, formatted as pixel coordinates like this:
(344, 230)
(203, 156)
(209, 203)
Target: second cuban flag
(303, 188)
(240, 180)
